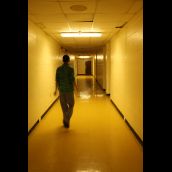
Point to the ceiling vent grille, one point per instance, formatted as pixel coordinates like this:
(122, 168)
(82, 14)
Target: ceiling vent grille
(78, 8)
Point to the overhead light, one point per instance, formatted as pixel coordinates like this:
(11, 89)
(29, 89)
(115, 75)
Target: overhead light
(84, 57)
(81, 34)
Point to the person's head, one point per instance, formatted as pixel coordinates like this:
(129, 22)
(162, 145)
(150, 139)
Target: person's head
(66, 59)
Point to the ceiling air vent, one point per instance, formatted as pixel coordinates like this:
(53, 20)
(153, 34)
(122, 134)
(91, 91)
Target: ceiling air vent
(78, 7)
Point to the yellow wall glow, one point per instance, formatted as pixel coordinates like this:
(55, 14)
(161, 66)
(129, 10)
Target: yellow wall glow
(100, 68)
(107, 66)
(43, 59)
(127, 72)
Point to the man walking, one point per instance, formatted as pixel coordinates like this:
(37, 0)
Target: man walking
(65, 83)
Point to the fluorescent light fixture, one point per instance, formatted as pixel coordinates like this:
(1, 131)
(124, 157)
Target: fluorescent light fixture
(84, 57)
(81, 34)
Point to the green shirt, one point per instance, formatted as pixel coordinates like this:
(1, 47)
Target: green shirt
(65, 78)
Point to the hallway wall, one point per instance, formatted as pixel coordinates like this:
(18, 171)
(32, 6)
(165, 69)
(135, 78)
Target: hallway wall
(107, 67)
(126, 86)
(43, 59)
(100, 68)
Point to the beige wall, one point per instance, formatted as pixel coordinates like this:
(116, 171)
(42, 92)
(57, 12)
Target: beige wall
(127, 72)
(43, 59)
(107, 66)
(80, 66)
(94, 65)
(100, 68)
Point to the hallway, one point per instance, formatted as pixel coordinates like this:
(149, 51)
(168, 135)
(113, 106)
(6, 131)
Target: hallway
(98, 139)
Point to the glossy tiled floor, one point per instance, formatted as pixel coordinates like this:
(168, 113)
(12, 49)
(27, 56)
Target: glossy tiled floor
(97, 141)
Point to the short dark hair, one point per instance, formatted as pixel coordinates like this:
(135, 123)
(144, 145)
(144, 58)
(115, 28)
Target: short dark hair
(66, 58)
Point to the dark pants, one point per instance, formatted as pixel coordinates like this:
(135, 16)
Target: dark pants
(67, 104)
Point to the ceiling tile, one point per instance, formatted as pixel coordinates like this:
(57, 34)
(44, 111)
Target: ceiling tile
(43, 7)
(71, 0)
(82, 40)
(105, 27)
(80, 26)
(57, 27)
(126, 17)
(50, 18)
(136, 6)
(104, 17)
(80, 17)
(43, 0)
(68, 40)
(114, 6)
(55, 16)
(32, 18)
(54, 25)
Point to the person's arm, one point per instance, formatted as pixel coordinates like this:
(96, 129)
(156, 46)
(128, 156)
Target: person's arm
(76, 89)
(55, 92)
(72, 78)
(56, 86)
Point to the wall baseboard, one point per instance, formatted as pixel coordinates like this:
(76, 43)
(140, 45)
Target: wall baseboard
(117, 109)
(36, 123)
(42, 116)
(136, 135)
(49, 107)
(100, 85)
(128, 124)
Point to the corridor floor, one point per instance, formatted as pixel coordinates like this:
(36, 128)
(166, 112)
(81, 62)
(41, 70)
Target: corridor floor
(98, 139)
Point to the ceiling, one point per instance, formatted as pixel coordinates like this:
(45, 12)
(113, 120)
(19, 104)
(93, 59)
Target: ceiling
(56, 16)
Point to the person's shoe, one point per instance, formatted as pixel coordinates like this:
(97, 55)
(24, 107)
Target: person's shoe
(66, 125)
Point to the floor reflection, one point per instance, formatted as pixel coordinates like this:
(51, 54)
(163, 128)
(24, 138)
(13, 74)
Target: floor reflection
(90, 170)
(97, 140)
(88, 87)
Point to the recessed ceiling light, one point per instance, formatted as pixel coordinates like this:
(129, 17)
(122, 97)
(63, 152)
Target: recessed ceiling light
(78, 7)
